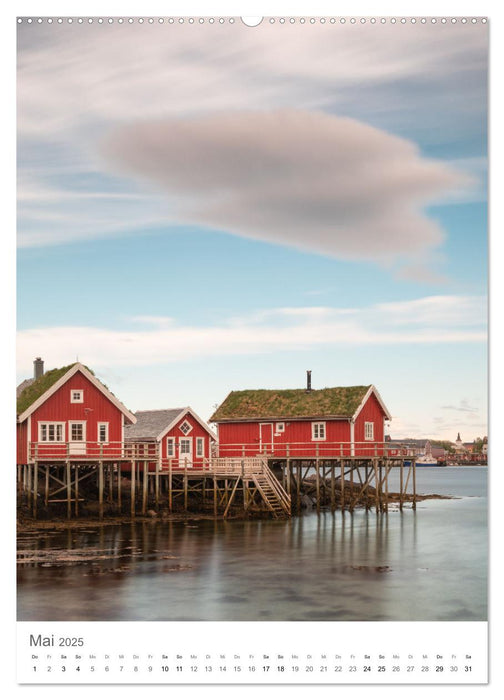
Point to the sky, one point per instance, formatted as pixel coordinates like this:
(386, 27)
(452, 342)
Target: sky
(205, 207)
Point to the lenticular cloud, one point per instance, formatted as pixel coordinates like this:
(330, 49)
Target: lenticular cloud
(308, 180)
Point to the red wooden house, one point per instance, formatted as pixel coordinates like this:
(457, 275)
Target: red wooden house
(68, 414)
(175, 437)
(301, 423)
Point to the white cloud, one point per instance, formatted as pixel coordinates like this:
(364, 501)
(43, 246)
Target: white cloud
(275, 330)
(309, 180)
(79, 82)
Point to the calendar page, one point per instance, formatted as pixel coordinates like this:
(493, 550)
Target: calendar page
(251, 385)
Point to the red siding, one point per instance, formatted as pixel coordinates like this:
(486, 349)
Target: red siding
(244, 438)
(96, 407)
(371, 412)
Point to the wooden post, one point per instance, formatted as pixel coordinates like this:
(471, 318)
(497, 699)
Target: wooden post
(76, 488)
(317, 482)
(69, 490)
(215, 495)
(46, 487)
(145, 484)
(333, 488)
(132, 509)
(170, 486)
(158, 468)
(377, 484)
(342, 486)
(298, 488)
(387, 467)
(110, 495)
(119, 481)
(29, 486)
(35, 488)
(401, 487)
(185, 483)
(100, 489)
(414, 484)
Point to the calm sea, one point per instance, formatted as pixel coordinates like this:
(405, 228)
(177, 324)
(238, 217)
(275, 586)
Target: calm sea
(425, 565)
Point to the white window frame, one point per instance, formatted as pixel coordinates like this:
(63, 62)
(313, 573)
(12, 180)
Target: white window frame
(200, 447)
(318, 427)
(190, 427)
(368, 430)
(106, 426)
(79, 398)
(47, 423)
(280, 427)
(170, 447)
(77, 422)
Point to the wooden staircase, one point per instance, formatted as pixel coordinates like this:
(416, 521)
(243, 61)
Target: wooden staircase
(273, 494)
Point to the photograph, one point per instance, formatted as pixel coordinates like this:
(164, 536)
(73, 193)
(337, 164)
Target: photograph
(252, 320)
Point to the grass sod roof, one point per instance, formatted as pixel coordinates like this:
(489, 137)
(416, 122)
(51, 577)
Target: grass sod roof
(340, 401)
(37, 388)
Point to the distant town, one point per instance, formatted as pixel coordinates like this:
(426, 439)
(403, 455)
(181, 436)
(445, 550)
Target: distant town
(445, 452)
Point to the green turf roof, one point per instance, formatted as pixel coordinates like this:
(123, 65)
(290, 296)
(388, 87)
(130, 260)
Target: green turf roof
(35, 390)
(341, 401)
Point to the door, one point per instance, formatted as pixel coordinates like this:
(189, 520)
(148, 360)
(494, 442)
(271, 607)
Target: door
(77, 438)
(185, 452)
(266, 437)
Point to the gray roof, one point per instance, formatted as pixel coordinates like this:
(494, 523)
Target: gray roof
(151, 423)
(21, 387)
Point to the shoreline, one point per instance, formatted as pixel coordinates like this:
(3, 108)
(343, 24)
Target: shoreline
(27, 524)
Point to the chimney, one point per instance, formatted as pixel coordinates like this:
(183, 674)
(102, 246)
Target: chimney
(308, 380)
(38, 367)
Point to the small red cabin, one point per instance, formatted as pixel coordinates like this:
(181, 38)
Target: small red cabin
(302, 423)
(176, 437)
(68, 414)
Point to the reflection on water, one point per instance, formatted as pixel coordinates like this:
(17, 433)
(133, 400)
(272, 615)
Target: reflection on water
(428, 565)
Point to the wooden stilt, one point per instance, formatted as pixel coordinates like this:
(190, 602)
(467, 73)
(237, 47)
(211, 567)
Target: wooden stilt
(377, 486)
(401, 484)
(29, 486)
(156, 484)
(119, 491)
(414, 483)
(145, 487)
(76, 489)
(69, 490)
(317, 483)
(110, 495)
(46, 486)
(333, 488)
(170, 486)
(133, 473)
(215, 495)
(342, 485)
(100, 489)
(35, 488)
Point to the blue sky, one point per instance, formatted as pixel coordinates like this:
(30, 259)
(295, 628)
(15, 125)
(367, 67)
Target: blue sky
(204, 208)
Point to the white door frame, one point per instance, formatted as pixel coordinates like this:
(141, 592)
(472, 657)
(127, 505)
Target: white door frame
(186, 455)
(77, 447)
(263, 440)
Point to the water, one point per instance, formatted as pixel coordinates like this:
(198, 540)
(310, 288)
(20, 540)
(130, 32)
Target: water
(425, 565)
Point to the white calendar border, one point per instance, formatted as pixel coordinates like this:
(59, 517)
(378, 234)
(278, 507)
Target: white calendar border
(154, 8)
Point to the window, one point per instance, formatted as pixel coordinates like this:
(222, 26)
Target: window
(280, 427)
(200, 447)
(76, 395)
(318, 431)
(368, 431)
(77, 432)
(170, 447)
(185, 428)
(103, 430)
(51, 432)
